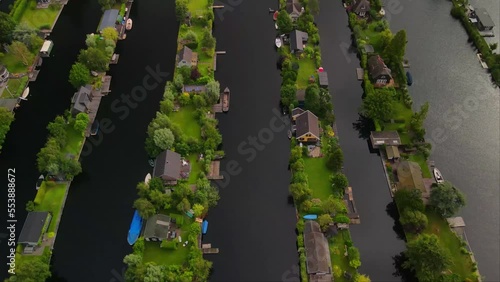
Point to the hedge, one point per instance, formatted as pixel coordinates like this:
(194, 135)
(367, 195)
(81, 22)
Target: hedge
(18, 9)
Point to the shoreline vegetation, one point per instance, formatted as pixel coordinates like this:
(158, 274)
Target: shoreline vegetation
(58, 160)
(318, 185)
(20, 54)
(185, 125)
(434, 251)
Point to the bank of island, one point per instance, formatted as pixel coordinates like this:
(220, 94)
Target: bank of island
(24, 45)
(58, 160)
(437, 248)
(182, 140)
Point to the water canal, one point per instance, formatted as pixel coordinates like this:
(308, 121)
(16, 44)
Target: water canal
(49, 96)
(463, 120)
(254, 223)
(378, 243)
(91, 241)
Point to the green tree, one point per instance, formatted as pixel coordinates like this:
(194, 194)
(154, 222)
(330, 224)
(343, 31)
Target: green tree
(33, 270)
(417, 122)
(164, 138)
(427, 258)
(333, 205)
(7, 26)
(361, 278)
(413, 221)
(213, 91)
(110, 33)
(206, 194)
(446, 199)
(207, 41)
(324, 221)
(184, 205)
(94, 59)
(145, 208)
(378, 106)
(70, 167)
(339, 183)
(6, 118)
(81, 122)
(335, 159)
(284, 22)
(181, 9)
(21, 52)
(354, 258)
(79, 75)
(106, 4)
(312, 100)
(300, 191)
(409, 199)
(395, 51)
(135, 269)
(288, 94)
(154, 273)
(30, 206)
(91, 40)
(48, 155)
(313, 6)
(27, 35)
(198, 209)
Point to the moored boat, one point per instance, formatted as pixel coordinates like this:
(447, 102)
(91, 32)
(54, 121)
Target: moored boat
(409, 78)
(438, 176)
(128, 26)
(204, 227)
(39, 181)
(147, 178)
(276, 26)
(225, 99)
(289, 134)
(278, 42)
(25, 94)
(275, 15)
(310, 216)
(95, 128)
(135, 228)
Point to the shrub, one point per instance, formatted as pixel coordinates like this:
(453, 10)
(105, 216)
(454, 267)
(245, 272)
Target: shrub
(340, 218)
(300, 241)
(18, 9)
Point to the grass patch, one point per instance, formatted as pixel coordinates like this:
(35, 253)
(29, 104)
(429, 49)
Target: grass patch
(74, 141)
(419, 158)
(195, 168)
(39, 18)
(153, 253)
(318, 176)
(196, 6)
(13, 64)
(373, 37)
(51, 201)
(337, 251)
(15, 87)
(186, 119)
(307, 67)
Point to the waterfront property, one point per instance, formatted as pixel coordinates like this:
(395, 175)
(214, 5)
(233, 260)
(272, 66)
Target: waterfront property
(318, 262)
(361, 7)
(35, 226)
(484, 21)
(380, 74)
(194, 89)
(46, 48)
(187, 58)
(307, 127)
(388, 138)
(294, 9)
(296, 112)
(157, 228)
(170, 167)
(410, 177)
(109, 19)
(297, 41)
(81, 100)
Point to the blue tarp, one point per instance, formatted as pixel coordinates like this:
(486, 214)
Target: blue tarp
(204, 227)
(108, 19)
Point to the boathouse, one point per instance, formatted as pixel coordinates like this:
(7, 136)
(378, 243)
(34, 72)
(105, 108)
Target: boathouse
(318, 262)
(484, 21)
(157, 228)
(294, 9)
(323, 79)
(170, 167)
(297, 41)
(361, 7)
(380, 74)
(109, 19)
(187, 58)
(34, 227)
(388, 138)
(46, 48)
(392, 152)
(307, 128)
(81, 100)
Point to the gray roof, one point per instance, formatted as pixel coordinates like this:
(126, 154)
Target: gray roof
(81, 99)
(385, 138)
(186, 54)
(297, 39)
(484, 17)
(293, 7)
(33, 228)
(307, 122)
(10, 104)
(369, 48)
(317, 252)
(195, 88)
(301, 95)
(168, 165)
(361, 6)
(157, 226)
(323, 78)
(108, 19)
(377, 67)
(297, 111)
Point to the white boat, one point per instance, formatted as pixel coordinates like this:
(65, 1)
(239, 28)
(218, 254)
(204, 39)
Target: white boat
(438, 176)
(128, 26)
(276, 26)
(39, 182)
(25, 94)
(278, 42)
(483, 63)
(148, 178)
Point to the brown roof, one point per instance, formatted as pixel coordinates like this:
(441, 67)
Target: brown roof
(392, 152)
(307, 122)
(297, 111)
(410, 176)
(186, 54)
(317, 251)
(361, 6)
(293, 6)
(390, 138)
(377, 67)
(168, 165)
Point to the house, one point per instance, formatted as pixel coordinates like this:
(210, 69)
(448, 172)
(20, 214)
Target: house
(187, 58)
(410, 176)
(296, 112)
(81, 100)
(392, 152)
(294, 9)
(34, 227)
(196, 89)
(318, 262)
(297, 40)
(361, 7)
(170, 167)
(484, 21)
(380, 74)
(323, 79)
(157, 228)
(389, 138)
(46, 48)
(4, 74)
(108, 19)
(300, 95)
(307, 127)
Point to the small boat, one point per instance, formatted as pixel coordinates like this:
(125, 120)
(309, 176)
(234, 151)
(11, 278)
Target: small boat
(310, 216)
(39, 182)
(225, 100)
(275, 15)
(151, 162)
(438, 176)
(289, 134)
(135, 228)
(278, 42)
(409, 78)
(483, 63)
(25, 94)
(276, 26)
(147, 178)
(95, 128)
(128, 26)
(204, 227)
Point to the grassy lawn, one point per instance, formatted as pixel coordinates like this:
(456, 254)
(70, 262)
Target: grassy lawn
(39, 18)
(153, 253)
(186, 119)
(13, 64)
(195, 6)
(419, 158)
(337, 251)
(319, 177)
(195, 168)
(372, 37)
(307, 68)
(51, 199)
(15, 87)
(73, 141)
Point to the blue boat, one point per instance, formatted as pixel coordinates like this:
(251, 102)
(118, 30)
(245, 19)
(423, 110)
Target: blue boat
(310, 216)
(409, 78)
(135, 228)
(204, 227)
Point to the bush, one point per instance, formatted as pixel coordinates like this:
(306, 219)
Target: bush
(300, 241)
(340, 218)
(18, 9)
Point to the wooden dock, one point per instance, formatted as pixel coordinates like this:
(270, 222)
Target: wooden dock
(360, 73)
(217, 108)
(106, 82)
(220, 52)
(93, 109)
(225, 100)
(210, 251)
(215, 62)
(218, 7)
(114, 59)
(214, 171)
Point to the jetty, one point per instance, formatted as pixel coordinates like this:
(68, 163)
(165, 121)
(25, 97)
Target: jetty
(114, 59)
(218, 7)
(352, 212)
(214, 173)
(106, 83)
(360, 73)
(225, 100)
(207, 249)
